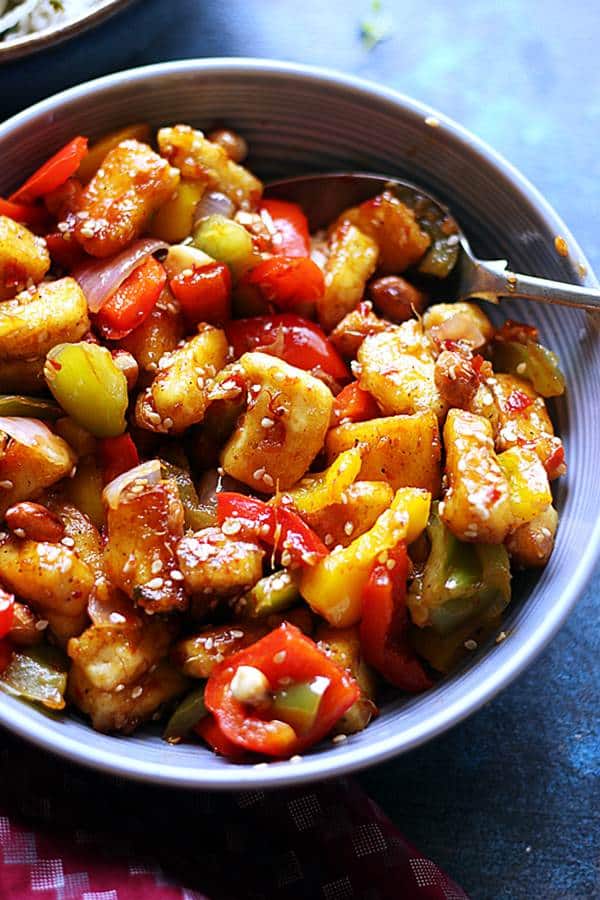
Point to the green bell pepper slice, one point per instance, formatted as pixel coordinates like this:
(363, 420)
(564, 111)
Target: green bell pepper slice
(38, 674)
(298, 704)
(31, 407)
(186, 716)
(272, 594)
(533, 362)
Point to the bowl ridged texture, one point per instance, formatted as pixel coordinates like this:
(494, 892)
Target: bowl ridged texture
(297, 120)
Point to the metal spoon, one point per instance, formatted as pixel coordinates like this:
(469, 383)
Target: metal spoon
(324, 197)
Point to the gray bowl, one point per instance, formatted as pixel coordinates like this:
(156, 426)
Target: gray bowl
(299, 119)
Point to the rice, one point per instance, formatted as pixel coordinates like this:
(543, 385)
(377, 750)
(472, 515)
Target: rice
(22, 17)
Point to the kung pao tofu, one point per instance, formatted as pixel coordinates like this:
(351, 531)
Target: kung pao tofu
(249, 476)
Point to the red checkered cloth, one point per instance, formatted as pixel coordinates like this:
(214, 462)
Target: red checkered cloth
(67, 833)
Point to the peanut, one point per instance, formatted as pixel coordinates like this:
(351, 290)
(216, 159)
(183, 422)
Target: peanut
(34, 521)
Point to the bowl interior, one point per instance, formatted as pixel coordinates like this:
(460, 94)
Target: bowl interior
(298, 120)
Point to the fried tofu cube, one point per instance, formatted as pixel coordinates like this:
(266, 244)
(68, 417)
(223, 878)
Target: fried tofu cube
(402, 450)
(117, 204)
(351, 261)
(24, 258)
(157, 336)
(397, 368)
(179, 394)
(34, 321)
(343, 521)
(213, 563)
(199, 159)
(284, 426)
(477, 503)
(144, 524)
(27, 469)
(394, 228)
(348, 335)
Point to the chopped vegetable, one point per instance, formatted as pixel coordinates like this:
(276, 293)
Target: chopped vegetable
(95, 155)
(531, 361)
(7, 605)
(227, 242)
(187, 715)
(133, 301)
(38, 674)
(291, 283)
(31, 407)
(118, 455)
(204, 293)
(272, 594)
(353, 404)
(53, 173)
(291, 236)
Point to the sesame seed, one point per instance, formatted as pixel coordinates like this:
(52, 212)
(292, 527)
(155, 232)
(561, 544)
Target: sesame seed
(219, 657)
(261, 765)
(154, 584)
(441, 507)
(137, 489)
(231, 526)
(235, 633)
(137, 692)
(286, 558)
(266, 422)
(68, 541)
(296, 758)
(168, 422)
(268, 480)
(258, 474)
(156, 566)
(339, 739)
(119, 688)
(521, 368)
(153, 417)
(176, 575)
(501, 637)
(116, 618)
(41, 625)
(208, 643)
(390, 564)
(470, 644)
(432, 122)
(200, 383)
(328, 540)
(348, 528)
(19, 532)
(383, 557)
(265, 529)
(6, 484)
(279, 657)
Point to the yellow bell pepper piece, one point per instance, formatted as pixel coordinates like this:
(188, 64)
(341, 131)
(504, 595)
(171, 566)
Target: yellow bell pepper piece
(174, 220)
(314, 492)
(94, 158)
(333, 588)
(529, 488)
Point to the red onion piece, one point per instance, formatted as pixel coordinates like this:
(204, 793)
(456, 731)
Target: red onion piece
(149, 472)
(29, 432)
(459, 327)
(100, 278)
(213, 203)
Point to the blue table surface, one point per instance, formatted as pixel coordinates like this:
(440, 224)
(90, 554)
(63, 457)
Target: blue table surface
(508, 801)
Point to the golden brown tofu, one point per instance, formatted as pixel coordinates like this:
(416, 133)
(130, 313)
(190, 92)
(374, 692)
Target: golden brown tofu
(283, 428)
(397, 368)
(33, 322)
(53, 580)
(125, 710)
(144, 524)
(342, 646)
(342, 522)
(157, 336)
(351, 261)
(458, 321)
(119, 201)
(198, 655)
(213, 563)
(392, 225)
(531, 544)
(402, 450)
(26, 469)
(112, 656)
(348, 335)
(24, 258)
(477, 505)
(202, 160)
(179, 394)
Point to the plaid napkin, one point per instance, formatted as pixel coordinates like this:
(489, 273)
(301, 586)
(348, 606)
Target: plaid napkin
(67, 833)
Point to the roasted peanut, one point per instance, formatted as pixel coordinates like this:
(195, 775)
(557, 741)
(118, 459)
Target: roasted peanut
(394, 297)
(34, 521)
(233, 144)
(455, 378)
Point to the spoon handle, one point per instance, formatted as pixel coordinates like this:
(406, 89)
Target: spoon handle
(492, 281)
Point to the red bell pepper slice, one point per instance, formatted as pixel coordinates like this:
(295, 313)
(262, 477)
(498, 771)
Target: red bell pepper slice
(117, 455)
(5, 655)
(53, 173)
(282, 655)
(353, 404)
(289, 283)
(7, 606)
(209, 730)
(133, 301)
(278, 527)
(65, 250)
(384, 623)
(292, 237)
(23, 212)
(297, 340)
(204, 293)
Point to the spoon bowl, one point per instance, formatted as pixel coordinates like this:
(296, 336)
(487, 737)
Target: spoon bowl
(323, 197)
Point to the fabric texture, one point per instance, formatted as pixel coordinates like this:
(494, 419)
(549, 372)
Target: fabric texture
(67, 833)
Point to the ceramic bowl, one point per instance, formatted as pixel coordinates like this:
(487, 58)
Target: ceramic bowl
(298, 119)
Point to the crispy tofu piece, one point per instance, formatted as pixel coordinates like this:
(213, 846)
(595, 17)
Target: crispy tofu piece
(24, 258)
(125, 710)
(199, 159)
(117, 204)
(531, 544)
(213, 563)
(112, 656)
(143, 531)
(402, 450)
(351, 261)
(34, 321)
(342, 646)
(477, 503)
(53, 580)
(27, 469)
(157, 336)
(199, 654)
(529, 425)
(459, 321)
(342, 522)
(283, 428)
(348, 335)
(179, 394)
(392, 225)
(398, 369)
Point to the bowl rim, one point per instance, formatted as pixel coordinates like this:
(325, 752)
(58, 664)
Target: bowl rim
(27, 44)
(473, 693)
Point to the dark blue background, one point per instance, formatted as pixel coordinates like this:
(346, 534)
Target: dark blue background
(508, 802)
